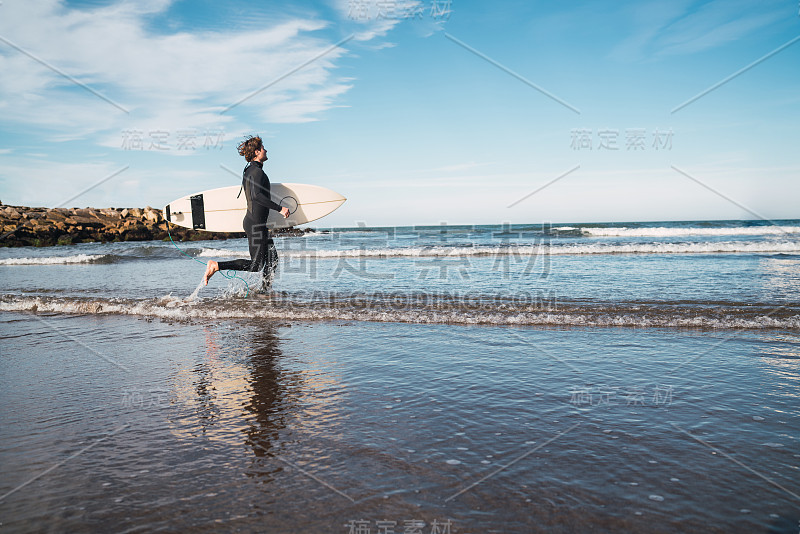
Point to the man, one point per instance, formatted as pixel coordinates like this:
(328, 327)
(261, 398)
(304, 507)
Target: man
(263, 256)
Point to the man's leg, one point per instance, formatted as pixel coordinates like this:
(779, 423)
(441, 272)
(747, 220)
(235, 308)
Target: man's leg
(271, 263)
(254, 264)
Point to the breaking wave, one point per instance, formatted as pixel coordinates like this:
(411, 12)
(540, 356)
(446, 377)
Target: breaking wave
(685, 232)
(785, 247)
(59, 260)
(523, 309)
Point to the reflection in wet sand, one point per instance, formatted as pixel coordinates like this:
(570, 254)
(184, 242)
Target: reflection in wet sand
(269, 398)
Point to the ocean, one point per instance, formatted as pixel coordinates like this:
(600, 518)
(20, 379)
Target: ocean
(638, 377)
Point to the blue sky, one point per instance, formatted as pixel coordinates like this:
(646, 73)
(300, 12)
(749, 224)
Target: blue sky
(418, 112)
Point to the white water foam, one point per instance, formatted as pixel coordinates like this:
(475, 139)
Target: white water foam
(789, 247)
(693, 231)
(176, 309)
(222, 252)
(54, 260)
(785, 247)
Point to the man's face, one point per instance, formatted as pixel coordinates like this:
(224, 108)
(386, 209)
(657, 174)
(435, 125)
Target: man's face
(261, 154)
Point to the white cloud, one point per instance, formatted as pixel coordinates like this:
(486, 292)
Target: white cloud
(678, 28)
(166, 81)
(710, 27)
(375, 18)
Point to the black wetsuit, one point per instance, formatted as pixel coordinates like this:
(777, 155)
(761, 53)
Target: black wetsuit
(263, 256)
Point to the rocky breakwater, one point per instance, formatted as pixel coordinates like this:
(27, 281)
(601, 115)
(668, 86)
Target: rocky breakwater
(23, 226)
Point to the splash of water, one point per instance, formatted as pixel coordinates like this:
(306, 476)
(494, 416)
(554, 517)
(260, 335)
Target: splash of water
(193, 296)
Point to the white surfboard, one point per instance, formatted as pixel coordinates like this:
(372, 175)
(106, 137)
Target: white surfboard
(223, 209)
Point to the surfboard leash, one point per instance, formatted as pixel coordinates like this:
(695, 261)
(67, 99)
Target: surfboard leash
(230, 274)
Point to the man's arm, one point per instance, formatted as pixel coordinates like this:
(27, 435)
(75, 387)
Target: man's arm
(259, 188)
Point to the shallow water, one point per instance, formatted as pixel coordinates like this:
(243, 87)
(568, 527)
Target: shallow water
(312, 427)
(739, 274)
(638, 377)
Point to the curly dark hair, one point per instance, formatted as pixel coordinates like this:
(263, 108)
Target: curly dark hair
(248, 147)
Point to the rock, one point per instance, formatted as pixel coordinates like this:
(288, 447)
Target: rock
(111, 212)
(55, 215)
(151, 214)
(11, 213)
(25, 226)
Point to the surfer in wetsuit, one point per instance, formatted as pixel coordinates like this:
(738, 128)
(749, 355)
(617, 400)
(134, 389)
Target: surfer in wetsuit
(263, 256)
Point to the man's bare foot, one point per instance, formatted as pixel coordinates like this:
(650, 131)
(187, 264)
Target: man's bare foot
(211, 268)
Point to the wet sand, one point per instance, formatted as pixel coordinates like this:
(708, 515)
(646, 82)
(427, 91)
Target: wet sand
(129, 424)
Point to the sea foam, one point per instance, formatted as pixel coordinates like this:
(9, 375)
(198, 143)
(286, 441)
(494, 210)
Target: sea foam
(55, 260)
